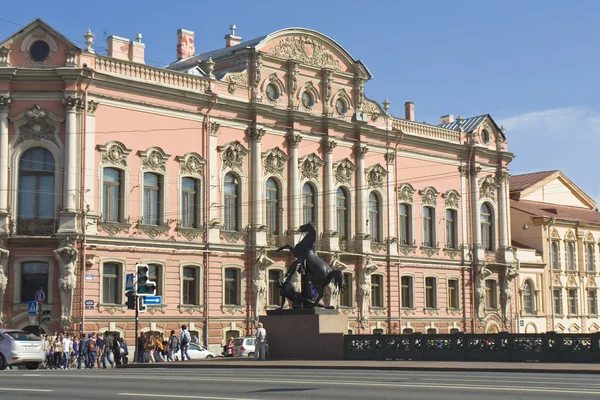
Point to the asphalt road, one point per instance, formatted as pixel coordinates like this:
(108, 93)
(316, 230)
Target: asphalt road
(289, 384)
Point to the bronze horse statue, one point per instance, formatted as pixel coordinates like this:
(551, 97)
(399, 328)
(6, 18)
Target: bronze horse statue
(314, 271)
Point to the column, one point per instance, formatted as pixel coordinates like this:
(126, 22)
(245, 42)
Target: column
(4, 106)
(295, 193)
(391, 204)
(90, 152)
(478, 253)
(361, 212)
(70, 175)
(256, 206)
(212, 185)
(502, 209)
(328, 146)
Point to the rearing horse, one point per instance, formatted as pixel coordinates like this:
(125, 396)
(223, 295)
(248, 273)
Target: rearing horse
(317, 271)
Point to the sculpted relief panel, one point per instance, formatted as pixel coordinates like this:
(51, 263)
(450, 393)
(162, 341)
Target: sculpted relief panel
(307, 50)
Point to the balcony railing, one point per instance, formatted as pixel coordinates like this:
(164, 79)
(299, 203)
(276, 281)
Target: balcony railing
(36, 226)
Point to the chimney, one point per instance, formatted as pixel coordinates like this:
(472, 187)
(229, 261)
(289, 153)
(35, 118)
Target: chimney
(118, 47)
(231, 39)
(136, 50)
(185, 44)
(446, 119)
(409, 111)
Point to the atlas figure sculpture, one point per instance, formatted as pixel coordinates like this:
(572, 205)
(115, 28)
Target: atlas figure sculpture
(313, 270)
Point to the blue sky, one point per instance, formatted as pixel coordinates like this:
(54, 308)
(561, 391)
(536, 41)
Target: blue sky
(532, 65)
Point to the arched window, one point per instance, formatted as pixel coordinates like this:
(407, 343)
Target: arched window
(272, 199)
(190, 203)
(36, 185)
(231, 189)
(405, 211)
(570, 257)
(555, 258)
(374, 217)
(451, 229)
(341, 208)
(429, 227)
(487, 227)
(308, 204)
(152, 199)
(112, 187)
(589, 257)
(528, 298)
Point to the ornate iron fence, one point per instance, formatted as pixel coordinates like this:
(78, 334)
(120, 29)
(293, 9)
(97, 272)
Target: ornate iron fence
(548, 347)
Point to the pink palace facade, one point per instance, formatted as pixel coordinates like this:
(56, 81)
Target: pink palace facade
(203, 168)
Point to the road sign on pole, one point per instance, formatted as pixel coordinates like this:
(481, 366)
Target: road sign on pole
(129, 282)
(152, 300)
(32, 307)
(40, 296)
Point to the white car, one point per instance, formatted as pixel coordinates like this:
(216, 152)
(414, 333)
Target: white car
(244, 346)
(20, 348)
(196, 351)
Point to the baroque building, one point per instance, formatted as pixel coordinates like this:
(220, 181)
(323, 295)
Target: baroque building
(203, 168)
(556, 230)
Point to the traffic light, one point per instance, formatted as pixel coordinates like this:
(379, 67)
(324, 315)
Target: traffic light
(46, 316)
(130, 300)
(145, 287)
(141, 305)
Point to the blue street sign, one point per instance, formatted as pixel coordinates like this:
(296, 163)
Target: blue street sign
(129, 281)
(32, 306)
(89, 304)
(40, 296)
(152, 300)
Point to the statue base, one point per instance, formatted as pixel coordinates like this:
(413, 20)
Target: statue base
(305, 334)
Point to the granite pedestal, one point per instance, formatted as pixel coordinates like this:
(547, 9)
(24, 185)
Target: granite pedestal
(305, 334)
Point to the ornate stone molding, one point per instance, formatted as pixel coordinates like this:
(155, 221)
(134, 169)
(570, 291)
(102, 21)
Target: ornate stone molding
(431, 311)
(112, 309)
(452, 253)
(451, 197)
(310, 166)
(240, 78)
(214, 128)
(114, 153)
(406, 250)
(233, 155)
(293, 140)
(232, 309)
(232, 236)
(373, 109)
(92, 106)
(36, 34)
(5, 56)
(190, 309)
(377, 247)
(190, 233)
(329, 145)
(327, 83)
(37, 126)
(154, 159)
(274, 161)
(344, 171)
(359, 89)
(5, 103)
(389, 158)
(114, 228)
(257, 69)
(405, 193)
(255, 133)
(503, 175)
(154, 231)
(429, 196)
(292, 82)
(159, 308)
(306, 50)
(361, 151)
(487, 187)
(376, 176)
(191, 164)
(72, 104)
(430, 251)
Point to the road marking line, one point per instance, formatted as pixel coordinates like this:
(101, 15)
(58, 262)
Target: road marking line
(24, 390)
(175, 396)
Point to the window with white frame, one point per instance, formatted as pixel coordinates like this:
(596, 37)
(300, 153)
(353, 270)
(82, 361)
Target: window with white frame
(308, 203)
(342, 214)
(36, 185)
(272, 203)
(231, 189)
(407, 289)
(34, 275)
(589, 257)
(374, 227)
(111, 283)
(347, 299)
(431, 331)
(570, 254)
(453, 294)
(555, 259)
(190, 285)
(377, 290)
(491, 294)
(113, 195)
(487, 227)
(232, 286)
(451, 229)
(274, 299)
(430, 292)
(592, 295)
(528, 306)
(557, 301)
(405, 231)
(572, 301)
(429, 227)
(190, 202)
(153, 192)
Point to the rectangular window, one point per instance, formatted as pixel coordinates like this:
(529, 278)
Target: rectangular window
(152, 199)
(34, 275)
(407, 292)
(589, 257)
(112, 210)
(429, 227)
(190, 286)
(491, 294)
(572, 300)
(190, 203)
(430, 292)
(346, 297)
(554, 255)
(376, 291)
(405, 225)
(451, 230)
(155, 274)
(592, 302)
(111, 278)
(557, 301)
(453, 294)
(232, 286)
(275, 276)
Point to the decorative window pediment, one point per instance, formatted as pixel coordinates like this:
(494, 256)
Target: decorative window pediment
(571, 281)
(114, 153)
(452, 197)
(405, 193)
(310, 166)
(310, 88)
(342, 95)
(274, 161)
(233, 155)
(487, 187)
(589, 237)
(554, 234)
(429, 196)
(274, 80)
(37, 124)
(570, 236)
(344, 171)
(38, 34)
(234, 79)
(591, 282)
(375, 176)
(191, 164)
(154, 159)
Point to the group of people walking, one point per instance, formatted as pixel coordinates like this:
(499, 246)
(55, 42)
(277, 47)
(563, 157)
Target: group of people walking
(154, 346)
(94, 350)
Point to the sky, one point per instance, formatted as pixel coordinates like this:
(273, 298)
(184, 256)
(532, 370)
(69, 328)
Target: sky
(532, 65)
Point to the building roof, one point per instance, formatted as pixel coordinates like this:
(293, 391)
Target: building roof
(471, 124)
(521, 182)
(560, 212)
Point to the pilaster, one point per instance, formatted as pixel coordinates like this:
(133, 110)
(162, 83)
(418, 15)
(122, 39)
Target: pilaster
(69, 214)
(295, 196)
(214, 226)
(362, 242)
(392, 240)
(479, 252)
(90, 165)
(4, 213)
(257, 224)
(330, 235)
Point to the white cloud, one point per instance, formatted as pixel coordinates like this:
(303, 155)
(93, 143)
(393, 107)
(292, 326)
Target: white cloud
(567, 139)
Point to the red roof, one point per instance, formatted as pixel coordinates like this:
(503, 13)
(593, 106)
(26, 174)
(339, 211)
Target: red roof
(525, 181)
(560, 212)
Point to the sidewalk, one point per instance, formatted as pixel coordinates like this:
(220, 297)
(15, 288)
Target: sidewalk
(532, 367)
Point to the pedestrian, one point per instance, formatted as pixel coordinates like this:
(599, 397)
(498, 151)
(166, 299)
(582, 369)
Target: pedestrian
(109, 351)
(92, 351)
(261, 342)
(141, 348)
(83, 352)
(58, 353)
(66, 345)
(101, 360)
(150, 347)
(173, 347)
(229, 348)
(124, 351)
(184, 341)
(160, 348)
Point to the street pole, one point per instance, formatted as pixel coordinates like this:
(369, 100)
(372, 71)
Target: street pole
(39, 319)
(137, 319)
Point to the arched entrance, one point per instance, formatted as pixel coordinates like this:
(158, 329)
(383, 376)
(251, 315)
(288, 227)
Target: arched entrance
(492, 328)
